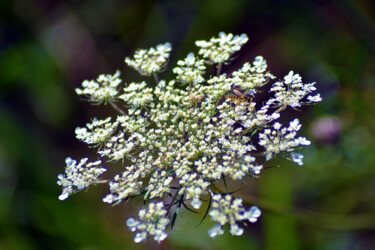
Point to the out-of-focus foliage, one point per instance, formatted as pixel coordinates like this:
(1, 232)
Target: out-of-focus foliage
(47, 48)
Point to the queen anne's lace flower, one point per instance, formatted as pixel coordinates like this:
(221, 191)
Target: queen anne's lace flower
(78, 176)
(219, 50)
(96, 132)
(190, 70)
(283, 140)
(193, 188)
(184, 135)
(160, 184)
(122, 187)
(137, 94)
(250, 77)
(104, 89)
(152, 222)
(150, 61)
(225, 210)
(292, 91)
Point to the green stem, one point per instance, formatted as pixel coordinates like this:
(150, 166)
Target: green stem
(156, 78)
(117, 108)
(102, 182)
(280, 109)
(316, 219)
(218, 69)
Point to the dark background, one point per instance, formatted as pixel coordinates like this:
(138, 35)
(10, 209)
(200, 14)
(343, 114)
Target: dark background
(47, 48)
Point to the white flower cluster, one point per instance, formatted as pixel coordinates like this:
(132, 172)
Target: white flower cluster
(78, 177)
(180, 138)
(152, 221)
(250, 77)
(283, 140)
(96, 132)
(292, 91)
(219, 50)
(150, 61)
(193, 188)
(122, 187)
(190, 70)
(104, 89)
(226, 210)
(137, 94)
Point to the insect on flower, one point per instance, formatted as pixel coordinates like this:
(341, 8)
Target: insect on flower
(239, 97)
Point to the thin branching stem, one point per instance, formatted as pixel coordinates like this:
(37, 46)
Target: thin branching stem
(337, 222)
(102, 181)
(156, 78)
(117, 108)
(280, 109)
(218, 69)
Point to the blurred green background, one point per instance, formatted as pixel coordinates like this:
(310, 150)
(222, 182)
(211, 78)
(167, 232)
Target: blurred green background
(47, 48)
